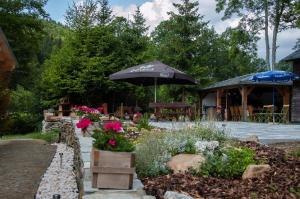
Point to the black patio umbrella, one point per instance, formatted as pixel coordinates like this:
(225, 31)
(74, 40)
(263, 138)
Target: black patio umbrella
(153, 73)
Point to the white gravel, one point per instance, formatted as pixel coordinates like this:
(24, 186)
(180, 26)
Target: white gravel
(58, 180)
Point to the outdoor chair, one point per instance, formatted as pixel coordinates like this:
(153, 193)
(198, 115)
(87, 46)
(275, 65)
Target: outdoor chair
(251, 115)
(284, 115)
(233, 113)
(237, 112)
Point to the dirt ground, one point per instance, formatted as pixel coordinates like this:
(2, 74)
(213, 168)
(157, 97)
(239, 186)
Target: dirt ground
(22, 164)
(288, 147)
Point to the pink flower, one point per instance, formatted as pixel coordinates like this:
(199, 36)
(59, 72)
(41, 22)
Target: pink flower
(112, 142)
(114, 126)
(86, 109)
(84, 123)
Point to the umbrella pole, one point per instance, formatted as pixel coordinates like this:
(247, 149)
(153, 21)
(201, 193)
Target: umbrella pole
(155, 84)
(273, 107)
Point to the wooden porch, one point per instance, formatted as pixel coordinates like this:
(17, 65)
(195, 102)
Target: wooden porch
(238, 99)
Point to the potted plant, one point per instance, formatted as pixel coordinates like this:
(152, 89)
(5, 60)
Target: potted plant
(112, 160)
(89, 119)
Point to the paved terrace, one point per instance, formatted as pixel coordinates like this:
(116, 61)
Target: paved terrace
(266, 132)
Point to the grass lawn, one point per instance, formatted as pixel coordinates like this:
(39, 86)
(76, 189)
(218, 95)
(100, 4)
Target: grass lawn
(49, 136)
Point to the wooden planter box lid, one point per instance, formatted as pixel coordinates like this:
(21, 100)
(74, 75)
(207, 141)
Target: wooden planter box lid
(112, 170)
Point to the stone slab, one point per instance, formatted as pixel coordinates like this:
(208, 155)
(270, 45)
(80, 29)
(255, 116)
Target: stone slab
(266, 132)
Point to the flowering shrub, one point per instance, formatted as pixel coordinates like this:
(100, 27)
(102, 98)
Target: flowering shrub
(84, 123)
(203, 145)
(112, 138)
(87, 112)
(113, 126)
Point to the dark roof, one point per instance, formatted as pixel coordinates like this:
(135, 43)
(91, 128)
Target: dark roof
(243, 80)
(295, 55)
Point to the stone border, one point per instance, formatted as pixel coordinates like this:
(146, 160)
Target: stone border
(68, 136)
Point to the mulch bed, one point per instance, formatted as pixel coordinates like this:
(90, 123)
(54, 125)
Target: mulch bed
(284, 176)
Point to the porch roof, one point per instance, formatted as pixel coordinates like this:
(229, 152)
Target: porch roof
(295, 55)
(243, 81)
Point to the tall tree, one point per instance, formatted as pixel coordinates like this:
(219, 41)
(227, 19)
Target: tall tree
(138, 23)
(257, 15)
(82, 16)
(186, 24)
(21, 21)
(105, 12)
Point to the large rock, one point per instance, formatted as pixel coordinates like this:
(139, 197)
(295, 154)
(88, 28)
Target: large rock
(182, 162)
(252, 138)
(255, 171)
(175, 195)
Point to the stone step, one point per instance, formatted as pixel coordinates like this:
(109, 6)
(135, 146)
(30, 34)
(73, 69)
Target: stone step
(116, 196)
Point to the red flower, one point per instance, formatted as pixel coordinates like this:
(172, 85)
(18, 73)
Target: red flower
(112, 142)
(84, 123)
(114, 126)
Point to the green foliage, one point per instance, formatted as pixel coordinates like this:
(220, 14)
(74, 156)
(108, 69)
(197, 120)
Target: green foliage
(295, 153)
(20, 122)
(151, 155)
(21, 22)
(24, 112)
(102, 138)
(50, 137)
(228, 163)
(144, 122)
(155, 149)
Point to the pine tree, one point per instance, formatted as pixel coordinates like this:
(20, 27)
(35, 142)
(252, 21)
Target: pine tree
(105, 13)
(138, 23)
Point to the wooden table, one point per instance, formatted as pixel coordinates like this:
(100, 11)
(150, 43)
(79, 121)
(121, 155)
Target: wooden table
(171, 110)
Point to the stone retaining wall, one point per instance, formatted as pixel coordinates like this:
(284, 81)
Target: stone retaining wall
(68, 136)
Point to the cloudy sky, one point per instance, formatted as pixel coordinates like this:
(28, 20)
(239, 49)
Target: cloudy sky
(156, 10)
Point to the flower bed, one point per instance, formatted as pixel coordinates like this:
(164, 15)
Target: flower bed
(283, 181)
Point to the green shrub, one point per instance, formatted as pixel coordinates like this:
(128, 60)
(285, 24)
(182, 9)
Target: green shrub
(155, 149)
(24, 112)
(228, 163)
(20, 123)
(144, 122)
(295, 153)
(152, 155)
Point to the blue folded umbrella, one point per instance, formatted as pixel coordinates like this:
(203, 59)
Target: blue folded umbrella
(274, 76)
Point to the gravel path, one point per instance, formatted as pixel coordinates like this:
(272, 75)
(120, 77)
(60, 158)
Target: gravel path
(57, 179)
(22, 164)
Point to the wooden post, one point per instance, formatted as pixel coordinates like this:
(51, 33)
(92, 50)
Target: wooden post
(245, 91)
(122, 110)
(219, 96)
(60, 110)
(244, 95)
(285, 93)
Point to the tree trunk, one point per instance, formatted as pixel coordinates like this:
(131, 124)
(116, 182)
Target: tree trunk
(267, 34)
(279, 7)
(274, 47)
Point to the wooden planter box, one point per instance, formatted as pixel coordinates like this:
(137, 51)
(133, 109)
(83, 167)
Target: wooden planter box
(112, 170)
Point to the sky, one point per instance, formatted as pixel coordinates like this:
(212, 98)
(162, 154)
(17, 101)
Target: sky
(155, 11)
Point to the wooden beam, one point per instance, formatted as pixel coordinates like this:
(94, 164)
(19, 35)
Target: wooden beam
(219, 97)
(244, 93)
(285, 93)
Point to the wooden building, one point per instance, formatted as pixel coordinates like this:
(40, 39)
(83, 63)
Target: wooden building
(239, 98)
(295, 105)
(8, 63)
